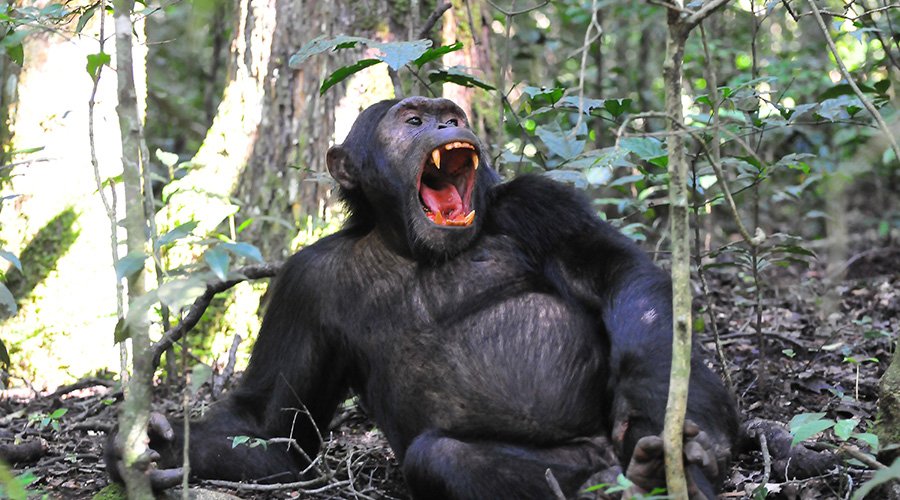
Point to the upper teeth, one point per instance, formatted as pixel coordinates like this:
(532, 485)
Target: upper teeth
(436, 153)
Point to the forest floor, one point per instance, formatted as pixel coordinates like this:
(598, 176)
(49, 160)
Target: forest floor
(825, 348)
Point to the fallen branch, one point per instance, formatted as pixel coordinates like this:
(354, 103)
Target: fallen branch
(81, 384)
(202, 302)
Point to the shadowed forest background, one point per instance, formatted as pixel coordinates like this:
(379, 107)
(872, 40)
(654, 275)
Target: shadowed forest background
(790, 131)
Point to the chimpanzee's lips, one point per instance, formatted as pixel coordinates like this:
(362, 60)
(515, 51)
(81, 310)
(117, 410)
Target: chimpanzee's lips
(446, 184)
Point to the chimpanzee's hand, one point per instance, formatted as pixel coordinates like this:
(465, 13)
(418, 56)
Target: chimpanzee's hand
(647, 468)
(160, 434)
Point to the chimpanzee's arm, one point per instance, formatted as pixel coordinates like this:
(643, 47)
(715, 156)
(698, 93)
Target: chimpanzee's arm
(294, 378)
(596, 265)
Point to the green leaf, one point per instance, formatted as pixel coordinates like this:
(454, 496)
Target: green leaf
(11, 257)
(844, 89)
(245, 250)
(16, 53)
(239, 440)
(121, 332)
(322, 44)
(399, 54)
(95, 62)
(843, 428)
(200, 374)
(808, 426)
(84, 18)
(868, 438)
(181, 292)
(617, 106)
(559, 142)
(345, 71)
(218, 261)
(552, 95)
(881, 476)
(645, 148)
(176, 234)
(435, 52)
(882, 86)
(4, 355)
(166, 158)
(130, 264)
(7, 302)
(59, 412)
(459, 77)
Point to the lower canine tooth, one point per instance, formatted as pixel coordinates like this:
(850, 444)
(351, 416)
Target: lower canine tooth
(475, 160)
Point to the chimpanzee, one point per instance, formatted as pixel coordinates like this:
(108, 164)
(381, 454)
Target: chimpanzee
(492, 330)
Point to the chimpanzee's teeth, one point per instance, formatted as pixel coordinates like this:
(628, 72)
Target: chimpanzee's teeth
(436, 158)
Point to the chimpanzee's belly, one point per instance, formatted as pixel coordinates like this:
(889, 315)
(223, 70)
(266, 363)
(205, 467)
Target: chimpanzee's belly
(527, 367)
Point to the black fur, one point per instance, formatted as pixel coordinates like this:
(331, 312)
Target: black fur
(486, 354)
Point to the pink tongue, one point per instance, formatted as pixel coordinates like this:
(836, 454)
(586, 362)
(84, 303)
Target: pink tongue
(444, 199)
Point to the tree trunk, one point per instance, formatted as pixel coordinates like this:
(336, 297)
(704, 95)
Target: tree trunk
(681, 259)
(136, 409)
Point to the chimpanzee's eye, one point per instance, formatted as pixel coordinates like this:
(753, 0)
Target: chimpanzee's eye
(415, 121)
(453, 122)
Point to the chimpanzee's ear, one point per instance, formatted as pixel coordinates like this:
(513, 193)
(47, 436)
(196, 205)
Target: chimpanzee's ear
(339, 167)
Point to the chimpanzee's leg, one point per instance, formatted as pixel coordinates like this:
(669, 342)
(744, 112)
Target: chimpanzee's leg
(437, 466)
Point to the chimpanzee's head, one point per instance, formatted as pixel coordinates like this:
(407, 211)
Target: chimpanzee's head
(413, 170)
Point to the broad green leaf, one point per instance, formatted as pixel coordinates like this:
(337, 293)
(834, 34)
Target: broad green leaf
(586, 104)
(11, 257)
(200, 374)
(574, 177)
(809, 429)
(4, 355)
(95, 62)
(345, 71)
(85, 17)
(166, 158)
(551, 94)
(459, 77)
(881, 476)
(176, 234)
(803, 418)
(181, 292)
(245, 250)
(617, 106)
(7, 302)
(239, 440)
(59, 412)
(868, 438)
(322, 44)
(843, 428)
(559, 142)
(121, 332)
(436, 52)
(130, 264)
(218, 261)
(399, 54)
(645, 148)
(16, 53)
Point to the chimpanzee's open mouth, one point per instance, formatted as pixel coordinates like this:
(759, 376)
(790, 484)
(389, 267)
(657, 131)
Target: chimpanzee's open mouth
(446, 184)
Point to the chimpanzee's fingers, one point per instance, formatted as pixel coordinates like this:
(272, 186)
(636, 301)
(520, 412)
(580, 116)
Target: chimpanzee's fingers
(691, 429)
(695, 454)
(161, 479)
(160, 426)
(648, 448)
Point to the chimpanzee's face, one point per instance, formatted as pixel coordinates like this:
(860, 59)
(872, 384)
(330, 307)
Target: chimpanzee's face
(435, 159)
